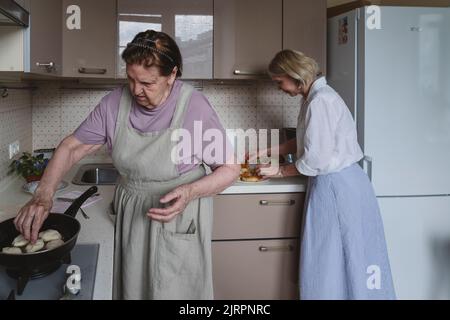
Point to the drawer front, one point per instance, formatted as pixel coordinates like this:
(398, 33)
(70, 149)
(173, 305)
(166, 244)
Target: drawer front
(257, 216)
(255, 270)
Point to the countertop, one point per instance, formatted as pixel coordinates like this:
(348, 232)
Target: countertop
(100, 228)
(279, 185)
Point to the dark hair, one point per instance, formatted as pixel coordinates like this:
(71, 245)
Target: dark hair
(153, 48)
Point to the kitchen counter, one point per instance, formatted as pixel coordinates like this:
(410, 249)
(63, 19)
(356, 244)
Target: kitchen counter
(279, 185)
(100, 228)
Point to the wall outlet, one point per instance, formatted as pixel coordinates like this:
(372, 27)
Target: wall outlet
(14, 148)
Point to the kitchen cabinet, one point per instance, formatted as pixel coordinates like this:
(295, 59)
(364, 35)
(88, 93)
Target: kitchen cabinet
(46, 37)
(248, 33)
(305, 28)
(255, 270)
(255, 246)
(89, 38)
(13, 48)
(190, 23)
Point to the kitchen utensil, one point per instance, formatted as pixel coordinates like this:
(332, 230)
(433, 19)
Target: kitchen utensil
(11, 296)
(33, 265)
(83, 213)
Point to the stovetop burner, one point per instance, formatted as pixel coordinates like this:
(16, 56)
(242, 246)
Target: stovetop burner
(47, 283)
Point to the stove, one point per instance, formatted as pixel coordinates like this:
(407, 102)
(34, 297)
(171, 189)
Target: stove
(50, 286)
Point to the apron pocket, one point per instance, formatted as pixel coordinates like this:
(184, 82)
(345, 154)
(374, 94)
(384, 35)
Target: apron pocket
(179, 263)
(180, 260)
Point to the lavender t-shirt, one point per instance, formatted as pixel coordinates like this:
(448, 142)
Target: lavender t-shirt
(100, 125)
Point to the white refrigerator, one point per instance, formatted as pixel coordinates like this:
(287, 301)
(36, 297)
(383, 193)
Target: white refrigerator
(391, 65)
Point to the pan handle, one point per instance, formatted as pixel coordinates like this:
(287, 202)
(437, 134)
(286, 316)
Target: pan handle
(77, 203)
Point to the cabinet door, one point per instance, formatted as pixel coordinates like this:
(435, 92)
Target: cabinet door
(89, 38)
(247, 35)
(305, 28)
(258, 216)
(189, 23)
(46, 37)
(256, 270)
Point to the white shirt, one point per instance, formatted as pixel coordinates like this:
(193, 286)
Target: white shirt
(326, 133)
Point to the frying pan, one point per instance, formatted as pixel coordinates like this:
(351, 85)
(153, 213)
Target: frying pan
(29, 265)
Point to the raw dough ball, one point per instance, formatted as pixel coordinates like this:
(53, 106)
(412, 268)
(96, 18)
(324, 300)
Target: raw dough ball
(50, 235)
(20, 241)
(35, 247)
(12, 250)
(54, 244)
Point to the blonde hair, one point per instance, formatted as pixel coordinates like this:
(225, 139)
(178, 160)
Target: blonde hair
(296, 65)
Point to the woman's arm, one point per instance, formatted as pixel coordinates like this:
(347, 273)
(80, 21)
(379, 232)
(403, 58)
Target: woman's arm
(289, 146)
(32, 215)
(209, 185)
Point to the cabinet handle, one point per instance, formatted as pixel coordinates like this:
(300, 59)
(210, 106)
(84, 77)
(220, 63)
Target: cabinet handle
(49, 66)
(248, 73)
(276, 203)
(276, 248)
(92, 70)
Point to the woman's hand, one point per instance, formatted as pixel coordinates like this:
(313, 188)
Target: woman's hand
(181, 196)
(269, 171)
(253, 158)
(30, 218)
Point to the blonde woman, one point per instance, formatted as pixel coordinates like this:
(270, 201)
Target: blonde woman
(343, 251)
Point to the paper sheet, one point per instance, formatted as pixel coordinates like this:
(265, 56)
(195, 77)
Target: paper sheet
(62, 206)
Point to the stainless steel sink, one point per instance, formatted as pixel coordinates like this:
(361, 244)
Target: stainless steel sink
(96, 174)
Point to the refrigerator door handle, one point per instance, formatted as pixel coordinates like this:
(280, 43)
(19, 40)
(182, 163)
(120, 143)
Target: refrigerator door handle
(368, 168)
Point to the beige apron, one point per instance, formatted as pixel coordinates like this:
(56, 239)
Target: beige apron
(156, 260)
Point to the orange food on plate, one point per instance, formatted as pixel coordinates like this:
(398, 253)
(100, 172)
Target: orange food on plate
(248, 174)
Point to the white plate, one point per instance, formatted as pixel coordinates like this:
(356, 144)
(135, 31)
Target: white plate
(252, 182)
(30, 187)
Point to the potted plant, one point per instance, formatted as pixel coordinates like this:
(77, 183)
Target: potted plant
(31, 167)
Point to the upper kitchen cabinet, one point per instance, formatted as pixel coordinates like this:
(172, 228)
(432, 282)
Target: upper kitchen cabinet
(189, 22)
(247, 34)
(89, 36)
(305, 28)
(14, 50)
(46, 37)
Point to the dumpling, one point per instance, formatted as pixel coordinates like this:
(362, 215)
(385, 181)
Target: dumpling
(50, 235)
(54, 244)
(12, 250)
(35, 247)
(20, 241)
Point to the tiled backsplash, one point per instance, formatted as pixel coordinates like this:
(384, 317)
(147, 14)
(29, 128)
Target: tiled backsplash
(43, 117)
(58, 112)
(15, 125)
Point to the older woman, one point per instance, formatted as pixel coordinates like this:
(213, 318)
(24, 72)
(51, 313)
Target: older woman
(343, 251)
(163, 208)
